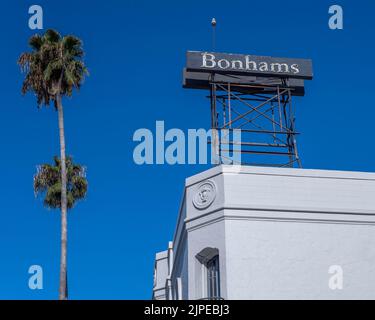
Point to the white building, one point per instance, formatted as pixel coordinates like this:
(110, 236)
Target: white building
(271, 233)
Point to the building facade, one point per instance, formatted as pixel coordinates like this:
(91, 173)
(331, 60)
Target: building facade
(271, 233)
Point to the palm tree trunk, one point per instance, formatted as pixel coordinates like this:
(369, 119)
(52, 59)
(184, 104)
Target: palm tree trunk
(64, 222)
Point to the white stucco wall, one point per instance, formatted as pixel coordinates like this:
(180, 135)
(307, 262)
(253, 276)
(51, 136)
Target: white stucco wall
(291, 259)
(278, 231)
(201, 237)
(160, 275)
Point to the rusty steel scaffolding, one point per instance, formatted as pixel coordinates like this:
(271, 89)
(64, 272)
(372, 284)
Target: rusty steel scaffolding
(265, 115)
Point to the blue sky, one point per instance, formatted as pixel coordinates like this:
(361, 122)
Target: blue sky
(135, 51)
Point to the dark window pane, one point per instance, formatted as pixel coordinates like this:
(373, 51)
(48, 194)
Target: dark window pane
(213, 278)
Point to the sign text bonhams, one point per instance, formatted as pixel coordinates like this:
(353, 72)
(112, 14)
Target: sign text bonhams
(249, 64)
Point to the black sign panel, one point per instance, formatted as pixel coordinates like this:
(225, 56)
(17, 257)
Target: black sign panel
(248, 64)
(241, 83)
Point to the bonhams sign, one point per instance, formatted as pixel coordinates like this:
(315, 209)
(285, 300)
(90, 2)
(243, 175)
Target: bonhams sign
(248, 64)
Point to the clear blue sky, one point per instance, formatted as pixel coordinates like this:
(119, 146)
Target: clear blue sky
(135, 51)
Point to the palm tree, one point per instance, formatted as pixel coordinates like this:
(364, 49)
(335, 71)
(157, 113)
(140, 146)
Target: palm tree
(48, 183)
(53, 68)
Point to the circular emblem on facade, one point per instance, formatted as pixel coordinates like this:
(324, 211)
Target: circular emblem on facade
(205, 195)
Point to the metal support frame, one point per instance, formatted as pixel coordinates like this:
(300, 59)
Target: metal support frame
(265, 115)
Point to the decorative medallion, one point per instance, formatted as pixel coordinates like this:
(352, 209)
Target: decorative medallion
(205, 195)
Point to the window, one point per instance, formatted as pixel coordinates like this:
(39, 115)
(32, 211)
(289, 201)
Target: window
(213, 278)
(207, 282)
